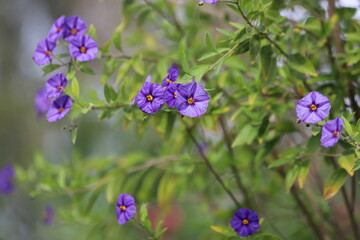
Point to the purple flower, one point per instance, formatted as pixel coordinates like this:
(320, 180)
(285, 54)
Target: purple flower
(331, 132)
(83, 48)
(313, 108)
(245, 222)
(125, 208)
(170, 95)
(59, 108)
(43, 52)
(57, 29)
(173, 73)
(42, 102)
(209, 1)
(192, 99)
(74, 27)
(7, 176)
(49, 215)
(150, 98)
(55, 85)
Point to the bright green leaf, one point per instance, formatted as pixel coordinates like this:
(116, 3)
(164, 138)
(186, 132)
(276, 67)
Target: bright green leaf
(334, 183)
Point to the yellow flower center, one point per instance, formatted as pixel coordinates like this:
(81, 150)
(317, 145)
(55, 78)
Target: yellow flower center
(245, 221)
(61, 109)
(174, 94)
(83, 49)
(48, 53)
(149, 98)
(59, 88)
(190, 101)
(58, 29)
(336, 133)
(73, 31)
(122, 207)
(313, 107)
(168, 80)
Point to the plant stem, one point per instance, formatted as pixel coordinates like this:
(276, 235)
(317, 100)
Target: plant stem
(228, 53)
(234, 170)
(210, 166)
(139, 224)
(108, 107)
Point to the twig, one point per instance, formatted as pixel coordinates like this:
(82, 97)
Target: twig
(234, 169)
(224, 56)
(109, 55)
(260, 32)
(109, 107)
(210, 167)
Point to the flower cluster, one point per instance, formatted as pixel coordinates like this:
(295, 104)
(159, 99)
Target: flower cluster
(245, 222)
(72, 30)
(190, 99)
(7, 177)
(50, 99)
(314, 108)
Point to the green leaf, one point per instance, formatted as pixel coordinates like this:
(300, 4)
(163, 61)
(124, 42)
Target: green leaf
(110, 93)
(49, 68)
(246, 135)
(117, 37)
(138, 65)
(225, 231)
(356, 164)
(303, 172)
(85, 69)
(144, 217)
(315, 130)
(280, 162)
(210, 44)
(301, 64)
(268, 62)
(184, 62)
(75, 88)
(347, 126)
(347, 162)
(291, 176)
(254, 47)
(334, 182)
(92, 32)
(74, 135)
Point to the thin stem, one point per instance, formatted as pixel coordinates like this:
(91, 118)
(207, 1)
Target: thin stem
(170, 18)
(228, 53)
(109, 107)
(307, 214)
(234, 169)
(139, 224)
(124, 56)
(210, 166)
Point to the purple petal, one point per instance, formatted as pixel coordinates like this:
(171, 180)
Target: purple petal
(42, 102)
(57, 29)
(55, 85)
(74, 23)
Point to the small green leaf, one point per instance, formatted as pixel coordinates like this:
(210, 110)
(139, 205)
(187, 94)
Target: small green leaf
(117, 38)
(74, 135)
(246, 135)
(85, 69)
(210, 44)
(92, 32)
(315, 130)
(347, 126)
(110, 93)
(184, 62)
(301, 64)
(291, 176)
(225, 231)
(356, 164)
(347, 162)
(75, 88)
(138, 65)
(334, 183)
(49, 68)
(268, 62)
(280, 162)
(303, 172)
